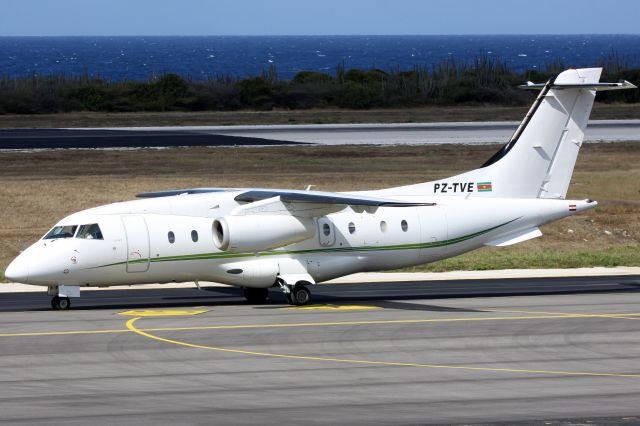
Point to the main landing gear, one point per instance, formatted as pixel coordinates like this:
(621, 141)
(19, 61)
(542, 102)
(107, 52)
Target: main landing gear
(60, 303)
(298, 294)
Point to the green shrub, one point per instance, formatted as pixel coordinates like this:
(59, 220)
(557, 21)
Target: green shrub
(485, 81)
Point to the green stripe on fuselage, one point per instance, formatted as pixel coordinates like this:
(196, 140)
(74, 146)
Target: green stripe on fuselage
(231, 255)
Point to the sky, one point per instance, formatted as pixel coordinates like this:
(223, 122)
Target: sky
(316, 17)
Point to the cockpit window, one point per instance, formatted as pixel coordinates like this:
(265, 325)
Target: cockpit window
(90, 232)
(66, 231)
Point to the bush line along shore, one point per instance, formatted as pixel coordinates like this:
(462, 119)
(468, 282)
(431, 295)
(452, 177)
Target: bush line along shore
(485, 81)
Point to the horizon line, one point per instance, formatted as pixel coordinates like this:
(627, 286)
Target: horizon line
(323, 35)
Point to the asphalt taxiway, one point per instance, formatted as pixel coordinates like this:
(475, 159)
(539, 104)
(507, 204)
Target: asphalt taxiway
(332, 134)
(466, 351)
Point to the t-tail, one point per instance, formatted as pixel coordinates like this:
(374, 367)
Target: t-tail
(538, 160)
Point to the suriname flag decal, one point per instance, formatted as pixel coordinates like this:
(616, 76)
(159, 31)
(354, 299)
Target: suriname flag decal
(484, 187)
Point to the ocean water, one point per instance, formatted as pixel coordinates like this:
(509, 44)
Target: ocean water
(137, 58)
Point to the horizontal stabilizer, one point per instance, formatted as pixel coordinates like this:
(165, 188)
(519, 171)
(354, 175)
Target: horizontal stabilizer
(621, 85)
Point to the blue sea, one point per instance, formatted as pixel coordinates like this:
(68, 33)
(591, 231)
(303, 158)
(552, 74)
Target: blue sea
(200, 58)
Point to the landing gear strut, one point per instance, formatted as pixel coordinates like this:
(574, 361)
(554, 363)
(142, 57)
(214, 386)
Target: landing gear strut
(297, 295)
(256, 295)
(60, 303)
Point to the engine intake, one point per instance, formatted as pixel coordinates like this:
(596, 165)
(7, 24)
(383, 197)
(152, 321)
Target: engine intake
(255, 233)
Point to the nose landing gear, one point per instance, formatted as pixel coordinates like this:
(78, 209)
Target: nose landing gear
(61, 295)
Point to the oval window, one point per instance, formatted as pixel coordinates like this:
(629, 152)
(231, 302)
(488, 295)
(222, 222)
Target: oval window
(326, 229)
(172, 237)
(352, 227)
(404, 225)
(194, 236)
(383, 226)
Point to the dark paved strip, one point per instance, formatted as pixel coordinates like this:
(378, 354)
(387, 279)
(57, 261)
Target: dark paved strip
(68, 138)
(333, 293)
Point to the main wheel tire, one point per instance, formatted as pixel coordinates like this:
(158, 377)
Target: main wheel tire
(256, 295)
(54, 303)
(300, 295)
(64, 303)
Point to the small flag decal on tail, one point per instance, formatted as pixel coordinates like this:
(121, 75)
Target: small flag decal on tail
(484, 187)
(572, 207)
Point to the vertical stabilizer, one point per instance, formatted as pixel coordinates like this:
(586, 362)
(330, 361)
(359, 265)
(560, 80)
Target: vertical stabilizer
(538, 160)
(541, 160)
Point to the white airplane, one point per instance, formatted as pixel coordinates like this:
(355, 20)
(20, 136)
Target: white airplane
(262, 238)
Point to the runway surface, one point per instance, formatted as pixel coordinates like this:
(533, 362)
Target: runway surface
(377, 134)
(465, 351)
(12, 139)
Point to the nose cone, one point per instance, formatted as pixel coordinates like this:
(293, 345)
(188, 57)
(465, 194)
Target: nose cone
(18, 270)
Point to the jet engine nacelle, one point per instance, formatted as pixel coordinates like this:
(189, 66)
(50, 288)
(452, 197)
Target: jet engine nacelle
(251, 273)
(253, 233)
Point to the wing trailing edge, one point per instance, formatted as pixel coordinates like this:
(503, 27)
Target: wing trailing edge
(291, 196)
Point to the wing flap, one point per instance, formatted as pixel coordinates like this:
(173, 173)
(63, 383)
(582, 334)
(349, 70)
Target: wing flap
(276, 206)
(187, 191)
(320, 197)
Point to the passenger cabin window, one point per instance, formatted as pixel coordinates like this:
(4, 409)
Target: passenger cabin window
(326, 229)
(194, 236)
(172, 237)
(90, 232)
(66, 231)
(383, 226)
(352, 227)
(404, 225)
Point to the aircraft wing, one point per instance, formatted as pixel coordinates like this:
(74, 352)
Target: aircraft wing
(292, 202)
(172, 192)
(321, 197)
(308, 203)
(291, 196)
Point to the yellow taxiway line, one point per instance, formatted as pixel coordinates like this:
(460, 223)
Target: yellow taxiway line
(540, 315)
(147, 332)
(131, 326)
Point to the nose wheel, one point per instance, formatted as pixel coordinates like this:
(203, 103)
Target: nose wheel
(60, 303)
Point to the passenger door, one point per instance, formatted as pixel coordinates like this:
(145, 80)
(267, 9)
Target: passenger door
(433, 232)
(137, 243)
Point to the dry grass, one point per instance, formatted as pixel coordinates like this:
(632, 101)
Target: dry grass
(40, 188)
(316, 116)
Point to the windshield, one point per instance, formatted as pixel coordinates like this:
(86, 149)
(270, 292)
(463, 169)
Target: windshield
(65, 231)
(90, 232)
